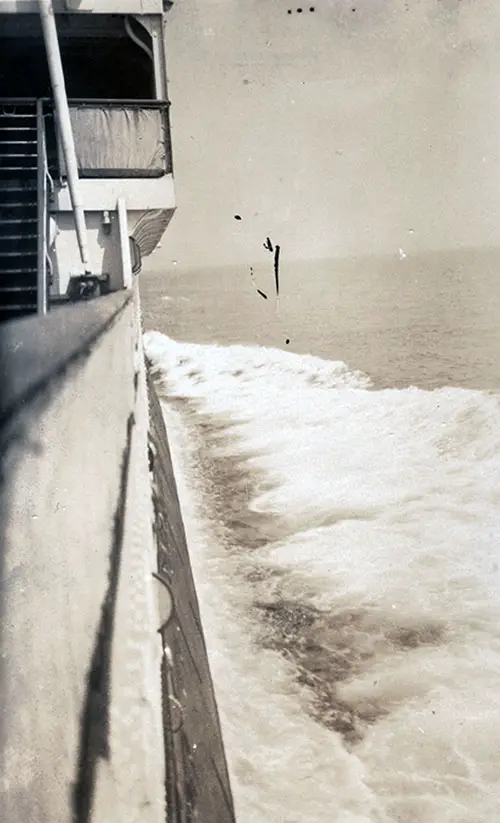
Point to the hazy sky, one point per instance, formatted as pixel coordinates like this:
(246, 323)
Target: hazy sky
(363, 127)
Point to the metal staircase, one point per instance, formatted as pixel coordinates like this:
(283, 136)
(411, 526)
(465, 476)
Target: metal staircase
(19, 210)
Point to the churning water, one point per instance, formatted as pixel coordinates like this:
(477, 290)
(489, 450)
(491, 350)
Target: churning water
(345, 539)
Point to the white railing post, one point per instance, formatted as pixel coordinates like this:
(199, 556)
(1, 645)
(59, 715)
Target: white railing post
(42, 179)
(124, 243)
(48, 21)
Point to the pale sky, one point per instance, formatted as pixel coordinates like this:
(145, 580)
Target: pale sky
(336, 132)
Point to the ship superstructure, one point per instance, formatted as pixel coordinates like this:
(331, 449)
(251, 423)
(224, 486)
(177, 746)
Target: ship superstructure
(86, 183)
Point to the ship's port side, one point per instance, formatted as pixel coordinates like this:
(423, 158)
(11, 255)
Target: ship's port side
(114, 73)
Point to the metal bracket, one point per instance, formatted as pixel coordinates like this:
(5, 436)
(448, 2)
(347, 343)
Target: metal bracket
(87, 286)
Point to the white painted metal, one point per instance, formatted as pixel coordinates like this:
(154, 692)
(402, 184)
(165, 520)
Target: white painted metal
(139, 194)
(94, 6)
(116, 6)
(137, 41)
(160, 85)
(47, 17)
(42, 194)
(124, 244)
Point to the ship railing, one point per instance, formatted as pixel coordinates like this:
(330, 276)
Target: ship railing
(44, 184)
(113, 137)
(29, 140)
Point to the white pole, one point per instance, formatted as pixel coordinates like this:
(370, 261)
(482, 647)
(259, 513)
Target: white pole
(124, 244)
(48, 21)
(42, 211)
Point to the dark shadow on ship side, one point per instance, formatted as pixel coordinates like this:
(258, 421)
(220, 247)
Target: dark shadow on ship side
(198, 786)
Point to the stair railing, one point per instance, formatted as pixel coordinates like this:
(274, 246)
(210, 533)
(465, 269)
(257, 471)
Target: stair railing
(43, 187)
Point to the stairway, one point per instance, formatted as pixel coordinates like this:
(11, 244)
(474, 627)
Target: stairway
(18, 210)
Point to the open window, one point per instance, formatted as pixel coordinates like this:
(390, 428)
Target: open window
(105, 56)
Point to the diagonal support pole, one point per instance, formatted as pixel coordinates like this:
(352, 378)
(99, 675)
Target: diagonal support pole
(47, 17)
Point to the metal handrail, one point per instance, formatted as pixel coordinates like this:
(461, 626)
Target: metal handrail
(42, 203)
(48, 106)
(91, 101)
(114, 101)
(18, 101)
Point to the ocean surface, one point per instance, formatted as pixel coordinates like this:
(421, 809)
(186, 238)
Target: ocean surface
(341, 493)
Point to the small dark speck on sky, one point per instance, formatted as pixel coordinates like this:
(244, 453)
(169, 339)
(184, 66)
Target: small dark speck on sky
(287, 340)
(289, 11)
(299, 11)
(237, 216)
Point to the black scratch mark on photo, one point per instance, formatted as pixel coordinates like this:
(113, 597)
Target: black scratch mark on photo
(277, 269)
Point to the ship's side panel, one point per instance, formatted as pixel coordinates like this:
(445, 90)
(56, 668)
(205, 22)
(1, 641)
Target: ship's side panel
(195, 759)
(94, 6)
(89, 511)
(80, 733)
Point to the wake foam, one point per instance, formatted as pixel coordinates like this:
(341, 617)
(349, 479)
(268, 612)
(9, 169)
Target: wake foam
(355, 536)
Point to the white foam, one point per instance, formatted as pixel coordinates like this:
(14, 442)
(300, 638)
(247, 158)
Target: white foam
(390, 502)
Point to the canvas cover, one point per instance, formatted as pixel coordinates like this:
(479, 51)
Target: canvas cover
(120, 141)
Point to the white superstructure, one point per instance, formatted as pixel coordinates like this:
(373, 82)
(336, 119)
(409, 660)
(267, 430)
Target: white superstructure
(85, 156)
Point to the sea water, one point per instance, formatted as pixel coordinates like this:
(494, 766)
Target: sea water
(344, 529)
